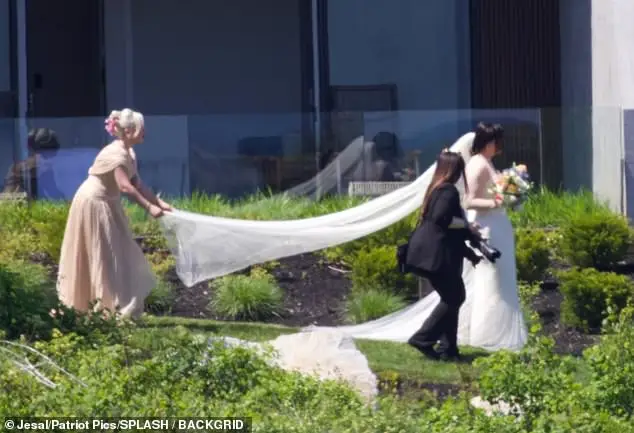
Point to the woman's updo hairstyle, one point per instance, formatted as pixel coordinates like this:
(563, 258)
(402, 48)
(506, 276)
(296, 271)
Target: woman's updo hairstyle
(486, 133)
(118, 121)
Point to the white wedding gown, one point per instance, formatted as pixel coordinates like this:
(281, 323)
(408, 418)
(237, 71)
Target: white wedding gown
(491, 317)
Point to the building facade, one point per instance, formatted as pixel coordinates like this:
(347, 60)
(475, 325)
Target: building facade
(290, 79)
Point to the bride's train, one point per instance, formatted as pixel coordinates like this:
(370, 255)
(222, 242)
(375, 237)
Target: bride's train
(206, 247)
(491, 317)
(328, 355)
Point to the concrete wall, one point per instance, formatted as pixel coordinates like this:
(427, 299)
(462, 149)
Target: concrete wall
(5, 47)
(7, 126)
(207, 75)
(613, 91)
(576, 92)
(248, 83)
(422, 48)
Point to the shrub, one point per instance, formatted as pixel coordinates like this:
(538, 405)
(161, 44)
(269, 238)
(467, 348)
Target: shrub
(536, 381)
(372, 304)
(611, 365)
(588, 294)
(253, 297)
(17, 246)
(30, 308)
(50, 225)
(532, 254)
(162, 263)
(26, 301)
(595, 240)
(528, 292)
(377, 268)
(161, 298)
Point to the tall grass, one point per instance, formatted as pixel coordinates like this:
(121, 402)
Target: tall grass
(543, 209)
(552, 209)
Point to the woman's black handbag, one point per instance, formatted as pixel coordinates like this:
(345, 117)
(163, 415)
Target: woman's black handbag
(401, 250)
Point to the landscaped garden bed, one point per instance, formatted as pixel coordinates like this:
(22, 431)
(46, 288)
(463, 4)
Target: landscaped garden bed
(572, 259)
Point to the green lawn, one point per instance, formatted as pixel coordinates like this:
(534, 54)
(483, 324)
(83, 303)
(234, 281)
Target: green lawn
(384, 357)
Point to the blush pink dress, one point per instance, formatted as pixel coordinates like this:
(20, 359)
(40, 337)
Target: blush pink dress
(100, 260)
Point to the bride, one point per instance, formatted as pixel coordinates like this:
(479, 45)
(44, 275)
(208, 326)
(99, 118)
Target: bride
(491, 318)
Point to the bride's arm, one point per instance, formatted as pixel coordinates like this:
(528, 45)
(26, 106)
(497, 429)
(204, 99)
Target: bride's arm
(479, 174)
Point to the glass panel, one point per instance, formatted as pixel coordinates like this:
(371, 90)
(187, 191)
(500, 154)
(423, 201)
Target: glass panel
(235, 155)
(5, 47)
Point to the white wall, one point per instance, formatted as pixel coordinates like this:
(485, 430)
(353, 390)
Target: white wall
(613, 90)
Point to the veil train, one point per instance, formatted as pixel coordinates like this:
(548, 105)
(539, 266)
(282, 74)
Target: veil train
(207, 247)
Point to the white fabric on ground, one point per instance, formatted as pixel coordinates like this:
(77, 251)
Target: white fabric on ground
(327, 355)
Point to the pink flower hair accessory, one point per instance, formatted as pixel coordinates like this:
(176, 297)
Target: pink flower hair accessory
(110, 126)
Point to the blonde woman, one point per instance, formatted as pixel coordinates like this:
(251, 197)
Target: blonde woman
(100, 260)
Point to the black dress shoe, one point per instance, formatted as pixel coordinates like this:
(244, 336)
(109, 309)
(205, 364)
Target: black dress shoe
(428, 351)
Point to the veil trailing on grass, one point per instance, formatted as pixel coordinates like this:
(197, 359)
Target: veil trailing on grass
(207, 247)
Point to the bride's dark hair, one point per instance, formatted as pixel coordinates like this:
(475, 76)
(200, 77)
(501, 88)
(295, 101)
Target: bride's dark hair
(486, 133)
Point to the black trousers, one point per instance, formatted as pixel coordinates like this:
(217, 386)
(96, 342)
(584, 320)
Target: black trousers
(442, 324)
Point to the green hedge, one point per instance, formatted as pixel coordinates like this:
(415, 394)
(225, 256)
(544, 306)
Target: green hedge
(590, 295)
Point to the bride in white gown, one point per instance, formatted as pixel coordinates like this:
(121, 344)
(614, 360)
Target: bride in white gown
(491, 317)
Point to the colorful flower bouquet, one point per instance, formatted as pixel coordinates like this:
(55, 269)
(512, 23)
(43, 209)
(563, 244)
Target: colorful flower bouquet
(513, 186)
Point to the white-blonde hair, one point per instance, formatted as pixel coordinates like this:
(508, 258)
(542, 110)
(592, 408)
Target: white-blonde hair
(118, 121)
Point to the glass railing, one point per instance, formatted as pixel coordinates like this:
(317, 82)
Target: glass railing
(238, 155)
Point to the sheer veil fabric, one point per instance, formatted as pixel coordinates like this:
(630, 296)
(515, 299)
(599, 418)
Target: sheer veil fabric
(207, 247)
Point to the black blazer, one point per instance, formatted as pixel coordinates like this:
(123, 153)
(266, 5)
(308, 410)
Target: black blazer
(433, 246)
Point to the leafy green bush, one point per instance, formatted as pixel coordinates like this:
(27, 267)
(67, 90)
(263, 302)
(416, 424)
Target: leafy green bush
(253, 297)
(560, 394)
(372, 304)
(612, 368)
(377, 268)
(30, 308)
(50, 225)
(595, 240)
(161, 298)
(589, 293)
(532, 254)
(141, 364)
(528, 292)
(26, 301)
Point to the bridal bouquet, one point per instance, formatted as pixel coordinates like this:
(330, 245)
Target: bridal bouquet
(513, 186)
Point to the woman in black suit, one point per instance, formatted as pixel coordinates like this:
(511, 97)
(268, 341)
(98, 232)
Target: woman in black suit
(436, 251)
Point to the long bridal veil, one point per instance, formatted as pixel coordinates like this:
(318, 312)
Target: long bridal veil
(207, 247)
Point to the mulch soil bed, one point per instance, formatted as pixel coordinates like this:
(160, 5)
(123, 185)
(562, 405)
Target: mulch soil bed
(315, 293)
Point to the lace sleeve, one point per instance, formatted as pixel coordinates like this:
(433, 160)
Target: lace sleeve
(478, 175)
